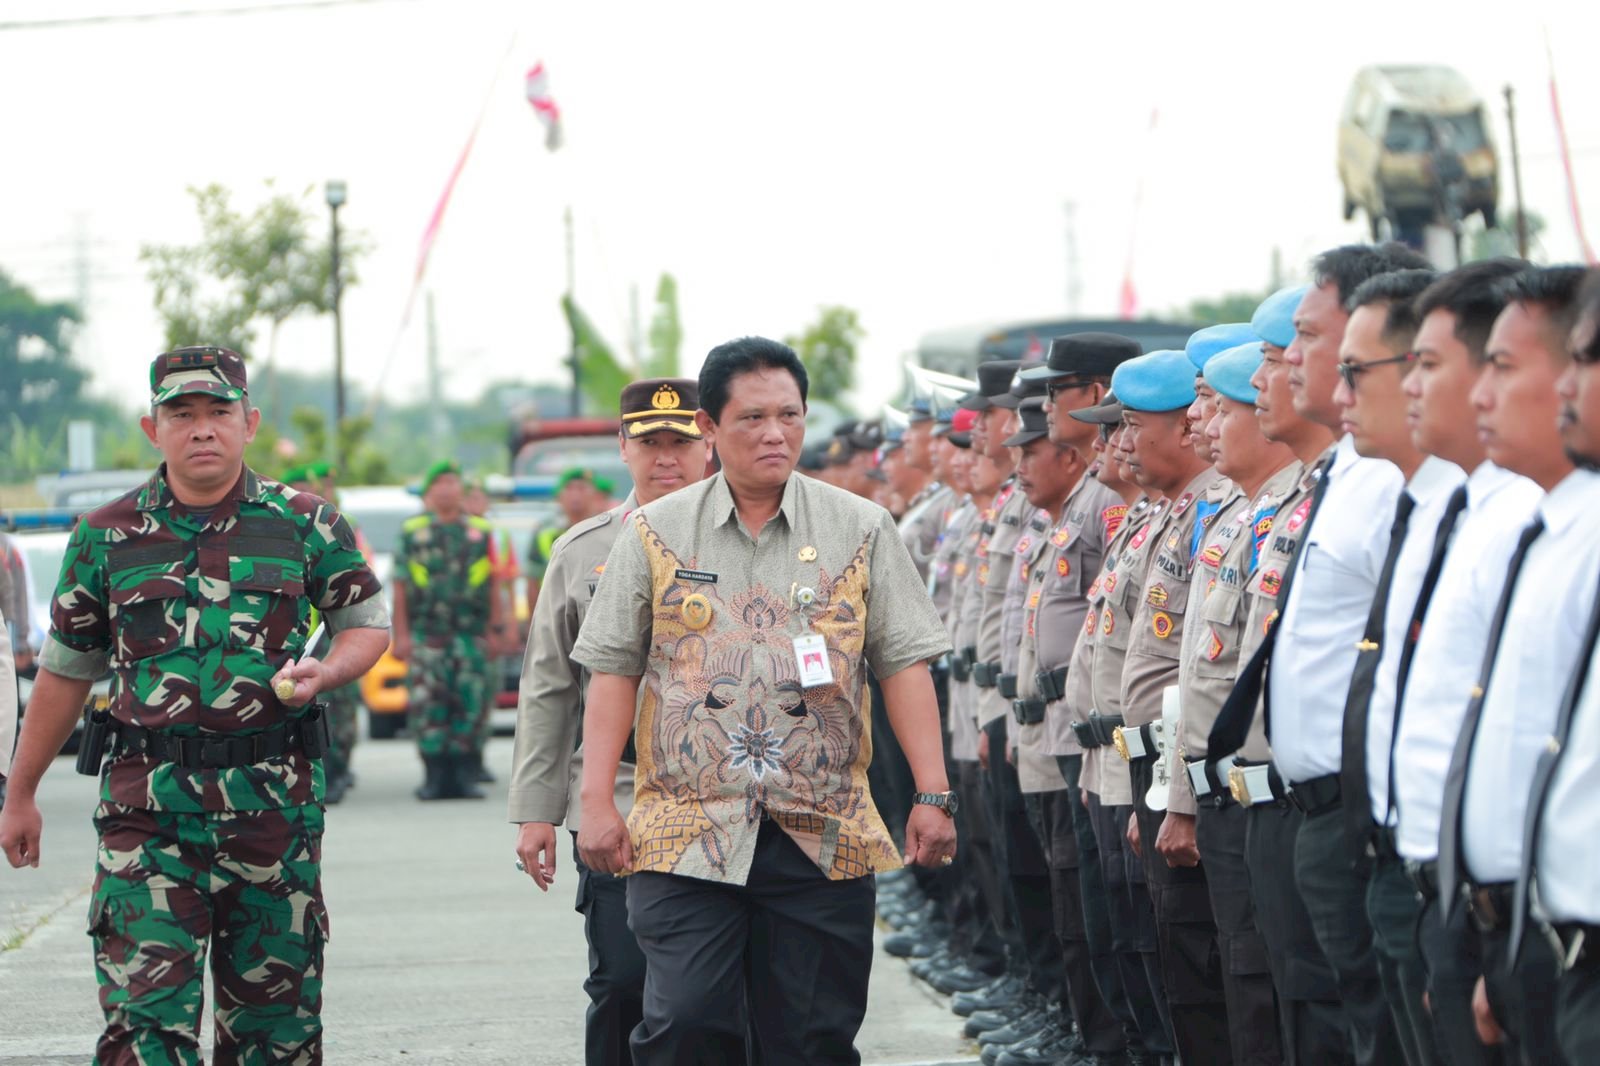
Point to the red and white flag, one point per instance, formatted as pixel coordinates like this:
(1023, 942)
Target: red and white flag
(544, 105)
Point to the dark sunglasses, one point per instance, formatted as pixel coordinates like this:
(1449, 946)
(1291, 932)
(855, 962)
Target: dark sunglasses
(1348, 372)
(1054, 388)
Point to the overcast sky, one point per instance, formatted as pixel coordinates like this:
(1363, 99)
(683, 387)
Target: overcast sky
(912, 161)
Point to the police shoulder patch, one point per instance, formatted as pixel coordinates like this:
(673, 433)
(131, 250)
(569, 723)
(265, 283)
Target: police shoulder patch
(1161, 624)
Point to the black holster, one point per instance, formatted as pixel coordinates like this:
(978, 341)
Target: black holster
(92, 745)
(316, 738)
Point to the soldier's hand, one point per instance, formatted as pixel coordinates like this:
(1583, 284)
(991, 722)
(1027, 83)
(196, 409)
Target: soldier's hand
(930, 836)
(1176, 841)
(21, 825)
(536, 847)
(603, 841)
(1133, 836)
(400, 646)
(307, 677)
(1483, 1015)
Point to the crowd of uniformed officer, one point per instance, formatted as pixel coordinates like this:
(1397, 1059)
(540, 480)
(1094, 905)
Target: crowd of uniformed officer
(1268, 711)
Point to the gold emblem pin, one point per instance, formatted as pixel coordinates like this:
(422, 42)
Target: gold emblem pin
(665, 399)
(1236, 785)
(808, 554)
(1120, 742)
(696, 611)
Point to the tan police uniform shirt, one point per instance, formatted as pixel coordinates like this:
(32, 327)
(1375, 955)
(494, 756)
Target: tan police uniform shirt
(707, 617)
(954, 569)
(1118, 589)
(996, 561)
(547, 759)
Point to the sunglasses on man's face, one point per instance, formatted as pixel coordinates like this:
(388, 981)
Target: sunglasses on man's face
(1053, 388)
(1349, 370)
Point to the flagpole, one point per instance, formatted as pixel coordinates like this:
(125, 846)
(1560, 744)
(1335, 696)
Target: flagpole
(572, 328)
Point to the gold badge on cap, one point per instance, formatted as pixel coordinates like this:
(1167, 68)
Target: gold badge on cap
(665, 399)
(808, 554)
(696, 611)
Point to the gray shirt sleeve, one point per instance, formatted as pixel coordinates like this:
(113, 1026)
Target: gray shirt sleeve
(617, 634)
(903, 627)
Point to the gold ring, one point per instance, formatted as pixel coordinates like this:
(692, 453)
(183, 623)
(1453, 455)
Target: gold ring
(947, 860)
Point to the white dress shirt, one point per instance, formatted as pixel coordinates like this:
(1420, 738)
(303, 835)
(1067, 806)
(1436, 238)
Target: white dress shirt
(1568, 862)
(1543, 629)
(1334, 580)
(1431, 486)
(1450, 649)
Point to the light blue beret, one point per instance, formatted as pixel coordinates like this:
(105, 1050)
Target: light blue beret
(1273, 321)
(1205, 343)
(1229, 372)
(1155, 381)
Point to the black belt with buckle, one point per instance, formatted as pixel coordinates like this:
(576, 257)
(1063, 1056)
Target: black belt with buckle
(223, 751)
(1028, 712)
(1424, 877)
(968, 655)
(1104, 725)
(1007, 684)
(1490, 905)
(986, 675)
(1052, 684)
(959, 669)
(1316, 795)
(1084, 731)
(1217, 793)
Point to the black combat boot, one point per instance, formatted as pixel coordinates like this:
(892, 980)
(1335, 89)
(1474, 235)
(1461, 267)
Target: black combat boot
(435, 781)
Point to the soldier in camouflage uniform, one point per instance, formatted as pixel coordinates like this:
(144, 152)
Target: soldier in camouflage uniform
(196, 589)
(445, 601)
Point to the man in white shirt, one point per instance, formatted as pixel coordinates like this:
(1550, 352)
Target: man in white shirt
(1327, 593)
(1376, 357)
(1456, 314)
(1529, 656)
(1563, 852)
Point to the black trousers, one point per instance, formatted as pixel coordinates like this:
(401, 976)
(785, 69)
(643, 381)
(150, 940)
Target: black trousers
(992, 904)
(1578, 1013)
(1052, 817)
(973, 933)
(1450, 954)
(1395, 911)
(1133, 928)
(1334, 888)
(1523, 996)
(1096, 905)
(616, 966)
(783, 958)
(1186, 939)
(1024, 874)
(1246, 975)
(1309, 1011)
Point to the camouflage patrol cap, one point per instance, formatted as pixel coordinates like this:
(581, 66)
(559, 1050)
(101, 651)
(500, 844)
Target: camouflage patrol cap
(660, 403)
(202, 368)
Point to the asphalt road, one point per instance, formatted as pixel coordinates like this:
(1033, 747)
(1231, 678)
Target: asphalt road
(440, 951)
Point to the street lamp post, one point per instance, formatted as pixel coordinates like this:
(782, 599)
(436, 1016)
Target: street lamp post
(336, 196)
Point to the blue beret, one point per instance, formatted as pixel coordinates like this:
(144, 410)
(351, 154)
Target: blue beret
(1229, 372)
(1204, 343)
(1273, 321)
(1155, 381)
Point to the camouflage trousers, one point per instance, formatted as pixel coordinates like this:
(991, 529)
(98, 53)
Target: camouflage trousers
(344, 725)
(244, 884)
(447, 701)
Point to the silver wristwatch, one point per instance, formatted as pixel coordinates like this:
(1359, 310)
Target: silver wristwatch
(945, 801)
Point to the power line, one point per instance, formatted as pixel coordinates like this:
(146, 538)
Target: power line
(161, 16)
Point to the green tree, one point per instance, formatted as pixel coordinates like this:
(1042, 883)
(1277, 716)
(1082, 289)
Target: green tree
(601, 375)
(666, 332)
(828, 348)
(249, 268)
(1232, 307)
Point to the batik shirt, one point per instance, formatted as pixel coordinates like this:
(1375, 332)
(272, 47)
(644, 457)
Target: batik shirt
(195, 617)
(706, 616)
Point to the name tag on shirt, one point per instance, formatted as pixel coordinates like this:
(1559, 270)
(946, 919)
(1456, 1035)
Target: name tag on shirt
(811, 660)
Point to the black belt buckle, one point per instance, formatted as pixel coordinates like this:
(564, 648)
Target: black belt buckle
(1489, 906)
(1084, 731)
(1007, 684)
(1424, 877)
(1027, 712)
(201, 752)
(959, 670)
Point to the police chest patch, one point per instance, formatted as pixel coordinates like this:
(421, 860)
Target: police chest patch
(1212, 556)
(1183, 503)
(1111, 583)
(1138, 539)
(1063, 567)
(1157, 596)
(1111, 622)
(1301, 512)
(1214, 652)
(1088, 624)
(1271, 582)
(1161, 624)
(1061, 537)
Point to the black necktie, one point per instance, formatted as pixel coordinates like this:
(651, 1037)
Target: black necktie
(1232, 727)
(1451, 870)
(1430, 582)
(1363, 679)
(1545, 773)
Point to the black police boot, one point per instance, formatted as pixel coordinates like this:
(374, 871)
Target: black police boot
(460, 779)
(476, 771)
(435, 781)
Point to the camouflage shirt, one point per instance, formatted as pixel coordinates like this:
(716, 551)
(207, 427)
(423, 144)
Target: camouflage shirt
(194, 618)
(446, 571)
